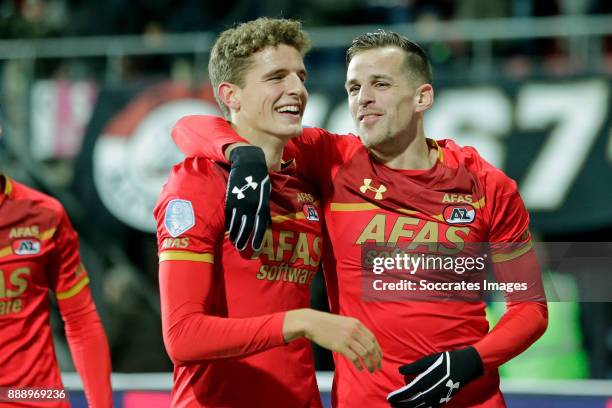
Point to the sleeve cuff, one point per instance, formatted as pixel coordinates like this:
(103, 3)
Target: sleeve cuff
(276, 324)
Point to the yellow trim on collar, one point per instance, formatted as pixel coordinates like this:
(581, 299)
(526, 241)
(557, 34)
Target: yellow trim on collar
(434, 143)
(8, 186)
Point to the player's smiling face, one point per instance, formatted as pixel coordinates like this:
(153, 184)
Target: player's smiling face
(380, 94)
(273, 98)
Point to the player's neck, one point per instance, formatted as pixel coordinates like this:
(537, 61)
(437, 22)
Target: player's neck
(406, 153)
(271, 145)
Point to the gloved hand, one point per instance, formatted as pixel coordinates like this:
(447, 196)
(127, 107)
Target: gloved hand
(247, 208)
(438, 378)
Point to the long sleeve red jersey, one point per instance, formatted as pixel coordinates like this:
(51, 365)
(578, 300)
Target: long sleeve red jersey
(367, 202)
(222, 310)
(39, 253)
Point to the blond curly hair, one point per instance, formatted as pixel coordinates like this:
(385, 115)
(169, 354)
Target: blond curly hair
(230, 57)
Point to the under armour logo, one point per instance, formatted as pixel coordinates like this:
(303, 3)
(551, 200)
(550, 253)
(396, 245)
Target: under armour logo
(451, 387)
(239, 191)
(367, 185)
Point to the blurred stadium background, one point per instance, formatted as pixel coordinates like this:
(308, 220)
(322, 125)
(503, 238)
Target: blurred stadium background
(89, 91)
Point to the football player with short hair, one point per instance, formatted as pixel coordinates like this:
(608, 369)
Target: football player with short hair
(395, 187)
(237, 325)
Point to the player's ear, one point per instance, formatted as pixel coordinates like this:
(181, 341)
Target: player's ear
(424, 97)
(230, 95)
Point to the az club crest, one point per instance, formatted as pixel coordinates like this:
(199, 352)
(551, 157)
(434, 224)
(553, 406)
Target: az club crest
(310, 212)
(459, 214)
(26, 247)
(179, 217)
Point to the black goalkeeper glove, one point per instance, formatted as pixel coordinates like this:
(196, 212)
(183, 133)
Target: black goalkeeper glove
(247, 208)
(438, 378)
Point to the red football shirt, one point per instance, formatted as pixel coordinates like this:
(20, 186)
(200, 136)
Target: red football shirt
(366, 202)
(223, 311)
(39, 252)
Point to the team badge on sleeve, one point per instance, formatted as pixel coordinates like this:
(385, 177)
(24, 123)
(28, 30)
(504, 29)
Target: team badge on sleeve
(179, 217)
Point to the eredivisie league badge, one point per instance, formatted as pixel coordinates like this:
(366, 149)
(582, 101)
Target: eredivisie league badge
(179, 217)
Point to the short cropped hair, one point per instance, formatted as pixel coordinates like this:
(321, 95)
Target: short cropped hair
(230, 57)
(416, 62)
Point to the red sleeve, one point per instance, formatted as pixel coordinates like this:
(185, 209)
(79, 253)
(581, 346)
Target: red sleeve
(514, 261)
(84, 331)
(508, 217)
(204, 136)
(191, 334)
(67, 275)
(524, 321)
(190, 226)
(316, 151)
(88, 346)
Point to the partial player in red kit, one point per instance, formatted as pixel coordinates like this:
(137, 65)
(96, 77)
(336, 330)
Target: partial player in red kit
(39, 253)
(237, 325)
(395, 187)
